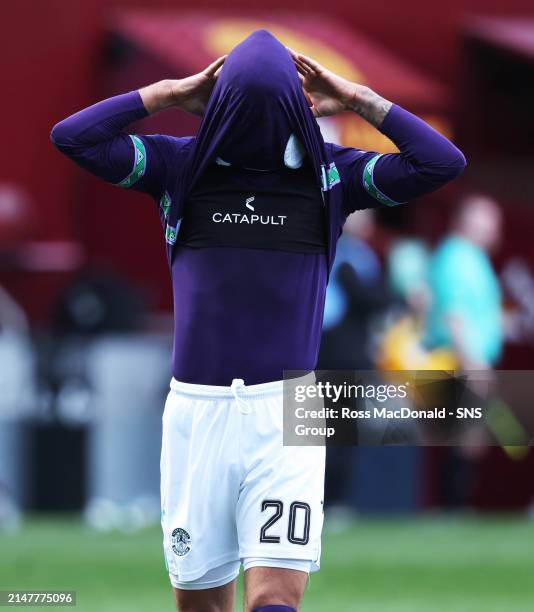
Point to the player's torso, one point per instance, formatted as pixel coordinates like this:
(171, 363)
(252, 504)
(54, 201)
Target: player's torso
(249, 277)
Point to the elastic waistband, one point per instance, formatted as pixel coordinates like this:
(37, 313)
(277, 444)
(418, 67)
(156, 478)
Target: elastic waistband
(267, 389)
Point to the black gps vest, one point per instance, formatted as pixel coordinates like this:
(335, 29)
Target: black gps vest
(280, 210)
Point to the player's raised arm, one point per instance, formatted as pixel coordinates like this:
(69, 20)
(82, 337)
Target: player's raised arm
(190, 94)
(427, 160)
(94, 137)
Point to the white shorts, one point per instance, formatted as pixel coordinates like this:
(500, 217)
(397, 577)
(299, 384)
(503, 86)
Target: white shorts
(231, 492)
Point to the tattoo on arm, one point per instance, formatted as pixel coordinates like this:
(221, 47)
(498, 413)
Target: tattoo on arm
(372, 107)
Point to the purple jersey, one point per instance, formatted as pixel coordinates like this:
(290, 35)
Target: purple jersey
(241, 311)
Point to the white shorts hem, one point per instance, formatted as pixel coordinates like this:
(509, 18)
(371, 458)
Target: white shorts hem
(300, 565)
(312, 555)
(199, 585)
(225, 573)
(192, 575)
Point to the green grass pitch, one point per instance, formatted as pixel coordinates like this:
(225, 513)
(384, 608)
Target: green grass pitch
(419, 565)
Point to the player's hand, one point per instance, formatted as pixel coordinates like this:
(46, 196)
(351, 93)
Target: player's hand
(192, 93)
(328, 93)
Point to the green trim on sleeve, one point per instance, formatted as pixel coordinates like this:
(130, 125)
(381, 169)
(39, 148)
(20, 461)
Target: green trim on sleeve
(171, 233)
(165, 204)
(369, 183)
(330, 176)
(139, 163)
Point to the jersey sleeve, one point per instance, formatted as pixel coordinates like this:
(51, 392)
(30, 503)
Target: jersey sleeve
(351, 166)
(150, 163)
(426, 161)
(96, 139)
(132, 161)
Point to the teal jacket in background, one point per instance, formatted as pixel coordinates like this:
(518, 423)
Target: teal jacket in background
(463, 283)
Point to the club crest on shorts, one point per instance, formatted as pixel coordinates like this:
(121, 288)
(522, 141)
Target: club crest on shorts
(181, 541)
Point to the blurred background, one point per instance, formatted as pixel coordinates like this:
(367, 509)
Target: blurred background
(85, 302)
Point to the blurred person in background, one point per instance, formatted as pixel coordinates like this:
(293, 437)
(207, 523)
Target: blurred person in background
(355, 296)
(15, 373)
(248, 299)
(466, 317)
(401, 346)
(16, 361)
(466, 312)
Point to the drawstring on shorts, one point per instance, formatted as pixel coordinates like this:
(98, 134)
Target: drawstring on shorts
(237, 385)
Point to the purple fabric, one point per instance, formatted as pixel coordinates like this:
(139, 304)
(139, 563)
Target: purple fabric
(426, 161)
(246, 313)
(256, 105)
(93, 138)
(242, 313)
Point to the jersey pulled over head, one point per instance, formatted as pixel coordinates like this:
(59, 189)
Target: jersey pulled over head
(257, 117)
(259, 96)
